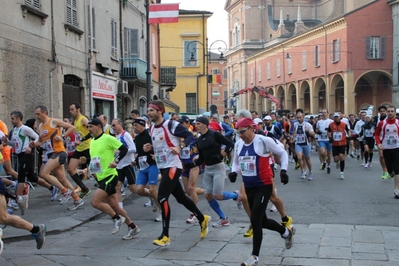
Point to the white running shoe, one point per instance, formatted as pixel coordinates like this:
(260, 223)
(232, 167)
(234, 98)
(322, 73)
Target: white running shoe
(273, 208)
(118, 224)
(303, 174)
(66, 196)
(366, 165)
(132, 232)
(192, 219)
(158, 218)
(341, 176)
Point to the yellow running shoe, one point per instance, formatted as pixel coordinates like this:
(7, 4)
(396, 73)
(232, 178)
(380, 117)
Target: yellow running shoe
(384, 175)
(204, 226)
(162, 241)
(249, 233)
(287, 223)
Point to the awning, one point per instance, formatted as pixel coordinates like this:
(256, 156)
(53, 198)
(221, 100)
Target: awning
(171, 105)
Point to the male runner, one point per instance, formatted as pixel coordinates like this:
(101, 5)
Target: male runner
(325, 147)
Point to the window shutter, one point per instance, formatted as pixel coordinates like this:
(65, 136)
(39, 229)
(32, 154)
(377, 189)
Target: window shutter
(278, 68)
(289, 66)
(28, 2)
(134, 43)
(304, 60)
(318, 56)
(383, 40)
(93, 14)
(125, 41)
(332, 51)
(314, 56)
(338, 50)
(74, 14)
(260, 73)
(368, 46)
(69, 12)
(36, 4)
(268, 71)
(153, 49)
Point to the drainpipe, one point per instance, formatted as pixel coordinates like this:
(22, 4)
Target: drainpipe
(53, 60)
(89, 80)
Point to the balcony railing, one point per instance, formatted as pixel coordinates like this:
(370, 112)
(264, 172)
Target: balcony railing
(133, 68)
(168, 76)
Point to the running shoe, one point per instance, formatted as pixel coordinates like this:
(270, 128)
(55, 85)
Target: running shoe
(13, 204)
(358, 157)
(162, 241)
(1, 241)
(341, 176)
(287, 223)
(76, 204)
(123, 191)
(40, 236)
(250, 232)
(54, 193)
(328, 170)
(65, 197)
(337, 165)
(85, 193)
(297, 166)
(323, 166)
(149, 203)
(273, 208)
(238, 200)
(204, 226)
(396, 193)
(366, 165)
(118, 224)
(310, 176)
(158, 218)
(384, 175)
(303, 174)
(288, 239)
(251, 261)
(155, 208)
(23, 203)
(391, 175)
(192, 219)
(352, 155)
(222, 222)
(131, 233)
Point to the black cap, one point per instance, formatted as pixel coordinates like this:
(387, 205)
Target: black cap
(139, 121)
(203, 120)
(184, 118)
(225, 116)
(95, 122)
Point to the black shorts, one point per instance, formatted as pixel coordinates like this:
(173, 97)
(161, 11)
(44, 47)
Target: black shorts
(337, 150)
(78, 154)
(26, 168)
(108, 184)
(2, 188)
(62, 156)
(127, 172)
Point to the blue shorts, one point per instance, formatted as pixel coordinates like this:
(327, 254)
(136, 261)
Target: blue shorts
(326, 145)
(148, 176)
(305, 149)
(186, 172)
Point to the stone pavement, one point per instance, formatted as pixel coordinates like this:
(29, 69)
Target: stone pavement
(83, 237)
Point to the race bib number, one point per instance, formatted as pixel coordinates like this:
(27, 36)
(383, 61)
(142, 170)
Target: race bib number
(337, 136)
(300, 138)
(48, 147)
(392, 141)
(160, 157)
(70, 146)
(143, 162)
(368, 133)
(95, 166)
(185, 153)
(248, 165)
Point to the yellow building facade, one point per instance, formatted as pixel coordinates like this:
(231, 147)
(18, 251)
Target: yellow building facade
(183, 45)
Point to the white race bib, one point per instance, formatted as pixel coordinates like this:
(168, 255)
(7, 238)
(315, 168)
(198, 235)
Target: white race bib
(248, 165)
(368, 133)
(143, 163)
(95, 166)
(185, 153)
(337, 136)
(160, 157)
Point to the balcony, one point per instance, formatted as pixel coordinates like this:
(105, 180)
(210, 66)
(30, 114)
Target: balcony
(168, 77)
(133, 69)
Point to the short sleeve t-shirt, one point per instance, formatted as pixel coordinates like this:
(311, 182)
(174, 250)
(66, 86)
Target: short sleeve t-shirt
(102, 154)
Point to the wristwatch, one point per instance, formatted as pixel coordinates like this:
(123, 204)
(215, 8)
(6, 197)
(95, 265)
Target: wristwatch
(181, 147)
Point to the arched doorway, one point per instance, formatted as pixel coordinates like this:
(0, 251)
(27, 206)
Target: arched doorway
(320, 91)
(71, 92)
(337, 99)
(291, 98)
(305, 95)
(272, 106)
(252, 101)
(281, 96)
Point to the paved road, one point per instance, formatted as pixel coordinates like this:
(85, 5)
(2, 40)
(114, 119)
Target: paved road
(339, 222)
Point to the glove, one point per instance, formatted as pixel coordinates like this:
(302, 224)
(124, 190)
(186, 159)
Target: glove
(331, 140)
(233, 177)
(189, 165)
(318, 132)
(284, 177)
(217, 157)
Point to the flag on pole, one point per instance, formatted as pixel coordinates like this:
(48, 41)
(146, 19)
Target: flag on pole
(215, 78)
(163, 13)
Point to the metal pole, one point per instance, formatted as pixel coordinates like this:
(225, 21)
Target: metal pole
(148, 72)
(207, 73)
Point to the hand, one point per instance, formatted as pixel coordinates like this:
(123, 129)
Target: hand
(147, 147)
(113, 164)
(189, 165)
(28, 150)
(32, 144)
(318, 132)
(233, 177)
(4, 139)
(284, 177)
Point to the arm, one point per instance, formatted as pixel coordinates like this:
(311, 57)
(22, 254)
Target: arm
(182, 132)
(69, 128)
(377, 133)
(129, 142)
(279, 150)
(222, 139)
(227, 130)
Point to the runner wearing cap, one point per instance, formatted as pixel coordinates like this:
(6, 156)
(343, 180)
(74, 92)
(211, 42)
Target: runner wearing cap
(337, 132)
(367, 133)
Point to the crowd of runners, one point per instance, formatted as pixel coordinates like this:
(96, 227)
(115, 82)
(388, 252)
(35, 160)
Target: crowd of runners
(163, 148)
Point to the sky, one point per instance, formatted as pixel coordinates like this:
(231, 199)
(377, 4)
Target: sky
(217, 23)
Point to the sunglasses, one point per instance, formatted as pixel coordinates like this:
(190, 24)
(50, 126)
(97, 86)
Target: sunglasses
(242, 131)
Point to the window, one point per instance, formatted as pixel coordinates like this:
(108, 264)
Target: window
(225, 98)
(278, 68)
(252, 76)
(225, 73)
(289, 66)
(268, 71)
(153, 49)
(114, 38)
(72, 13)
(93, 26)
(304, 64)
(190, 49)
(130, 43)
(375, 47)
(335, 51)
(191, 103)
(33, 3)
(215, 71)
(259, 73)
(316, 56)
(236, 35)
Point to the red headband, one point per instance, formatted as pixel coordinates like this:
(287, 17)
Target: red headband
(156, 107)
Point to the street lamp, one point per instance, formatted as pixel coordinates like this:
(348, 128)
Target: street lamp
(221, 58)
